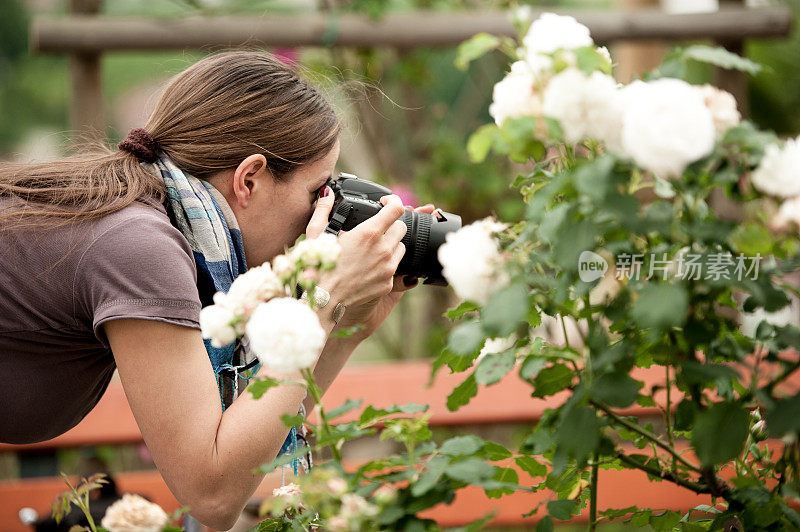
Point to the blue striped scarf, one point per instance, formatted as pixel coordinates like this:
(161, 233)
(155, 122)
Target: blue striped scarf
(204, 217)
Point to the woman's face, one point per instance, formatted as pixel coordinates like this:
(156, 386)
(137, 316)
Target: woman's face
(273, 214)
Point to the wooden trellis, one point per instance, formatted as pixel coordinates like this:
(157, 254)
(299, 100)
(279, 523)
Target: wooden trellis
(85, 36)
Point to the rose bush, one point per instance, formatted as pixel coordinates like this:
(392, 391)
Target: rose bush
(621, 175)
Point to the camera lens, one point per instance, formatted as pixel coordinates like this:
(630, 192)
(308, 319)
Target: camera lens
(422, 240)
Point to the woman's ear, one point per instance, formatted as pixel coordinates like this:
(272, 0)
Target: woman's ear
(250, 178)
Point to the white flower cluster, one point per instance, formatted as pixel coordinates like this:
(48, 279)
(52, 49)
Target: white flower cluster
(226, 319)
(133, 513)
(247, 307)
(285, 334)
(663, 125)
(778, 175)
(320, 252)
(666, 125)
(289, 496)
(472, 262)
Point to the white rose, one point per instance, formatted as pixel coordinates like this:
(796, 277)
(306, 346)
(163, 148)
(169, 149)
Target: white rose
(356, 507)
(515, 95)
(471, 261)
(288, 490)
(337, 486)
(337, 523)
(283, 266)
(496, 345)
(133, 513)
(585, 106)
(779, 171)
(215, 325)
(551, 32)
(321, 251)
(603, 51)
(722, 105)
(285, 334)
(251, 288)
(666, 126)
(788, 213)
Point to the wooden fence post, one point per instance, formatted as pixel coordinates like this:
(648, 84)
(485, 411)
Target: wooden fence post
(733, 81)
(88, 121)
(634, 58)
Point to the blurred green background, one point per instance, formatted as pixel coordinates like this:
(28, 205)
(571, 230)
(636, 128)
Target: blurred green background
(408, 114)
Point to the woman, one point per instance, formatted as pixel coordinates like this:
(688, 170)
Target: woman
(102, 267)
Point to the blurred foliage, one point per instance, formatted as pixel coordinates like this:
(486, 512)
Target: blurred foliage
(415, 107)
(775, 92)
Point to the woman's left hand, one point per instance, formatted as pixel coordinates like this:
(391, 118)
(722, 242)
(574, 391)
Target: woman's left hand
(373, 313)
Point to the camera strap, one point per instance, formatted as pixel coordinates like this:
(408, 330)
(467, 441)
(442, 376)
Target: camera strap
(339, 218)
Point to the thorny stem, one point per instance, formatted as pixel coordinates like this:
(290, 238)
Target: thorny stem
(323, 417)
(668, 416)
(667, 475)
(593, 495)
(646, 433)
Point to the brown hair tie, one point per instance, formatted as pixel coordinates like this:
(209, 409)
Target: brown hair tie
(141, 144)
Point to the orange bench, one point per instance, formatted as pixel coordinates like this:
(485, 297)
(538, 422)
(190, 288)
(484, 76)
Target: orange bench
(508, 401)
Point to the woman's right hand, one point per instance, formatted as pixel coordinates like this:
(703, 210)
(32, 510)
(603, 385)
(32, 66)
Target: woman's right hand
(371, 253)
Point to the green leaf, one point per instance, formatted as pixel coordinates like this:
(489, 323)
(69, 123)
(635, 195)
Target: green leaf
(494, 367)
(665, 520)
(466, 339)
(594, 178)
(719, 433)
(292, 420)
(615, 389)
(459, 312)
(562, 509)
(474, 48)
(347, 406)
(260, 385)
(661, 305)
(531, 366)
(578, 432)
(718, 56)
(552, 380)
(505, 310)
(347, 332)
(751, 239)
(494, 451)
(372, 414)
(531, 466)
(470, 470)
(545, 525)
(462, 394)
(434, 469)
(481, 142)
(506, 476)
(461, 446)
(784, 416)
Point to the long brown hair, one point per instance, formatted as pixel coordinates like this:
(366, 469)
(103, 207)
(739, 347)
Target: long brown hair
(209, 118)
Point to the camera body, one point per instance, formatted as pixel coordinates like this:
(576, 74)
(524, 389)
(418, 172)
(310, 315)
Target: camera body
(356, 200)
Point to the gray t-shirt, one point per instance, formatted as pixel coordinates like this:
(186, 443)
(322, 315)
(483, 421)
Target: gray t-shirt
(58, 286)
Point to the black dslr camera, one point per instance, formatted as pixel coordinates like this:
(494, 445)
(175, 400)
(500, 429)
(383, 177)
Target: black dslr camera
(356, 200)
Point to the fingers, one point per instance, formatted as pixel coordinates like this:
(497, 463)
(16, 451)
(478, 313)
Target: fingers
(403, 283)
(397, 255)
(397, 231)
(429, 208)
(391, 211)
(319, 219)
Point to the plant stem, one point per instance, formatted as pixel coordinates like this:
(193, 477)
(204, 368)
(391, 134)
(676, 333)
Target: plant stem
(646, 433)
(323, 418)
(688, 484)
(668, 416)
(593, 495)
